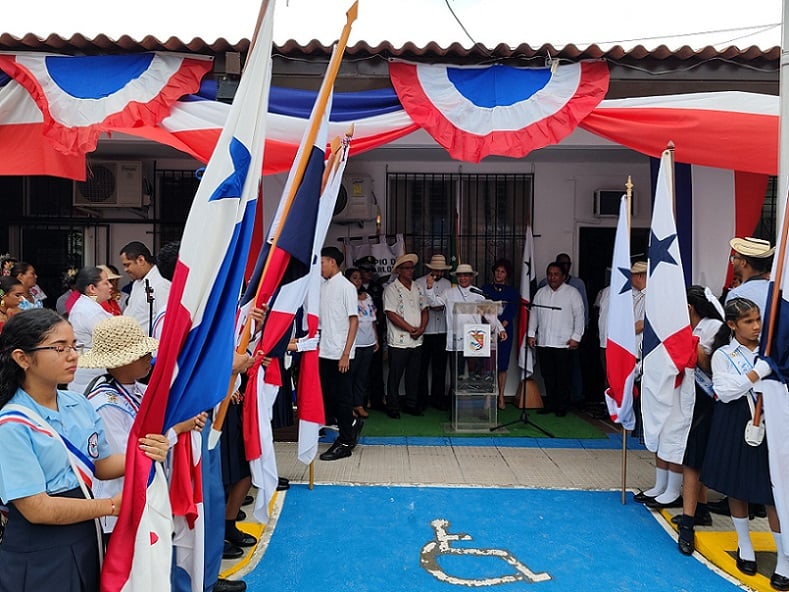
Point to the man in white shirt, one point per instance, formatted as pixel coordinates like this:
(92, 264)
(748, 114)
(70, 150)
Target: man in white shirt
(434, 351)
(149, 290)
(751, 260)
(406, 315)
(556, 326)
(339, 319)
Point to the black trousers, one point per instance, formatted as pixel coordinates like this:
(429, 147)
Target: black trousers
(434, 365)
(555, 365)
(403, 360)
(337, 390)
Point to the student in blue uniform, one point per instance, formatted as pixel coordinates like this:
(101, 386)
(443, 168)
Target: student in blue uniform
(733, 466)
(51, 537)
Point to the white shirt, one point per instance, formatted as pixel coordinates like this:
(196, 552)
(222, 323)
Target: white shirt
(137, 306)
(84, 316)
(602, 302)
(639, 313)
(730, 364)
(447, 299)
(554, 328)
(366, 334)
(406, 303)
(339, 301)
(754, 290)
(436, 319)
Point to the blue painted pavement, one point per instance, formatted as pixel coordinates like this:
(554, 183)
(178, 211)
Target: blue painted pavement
(363, 538)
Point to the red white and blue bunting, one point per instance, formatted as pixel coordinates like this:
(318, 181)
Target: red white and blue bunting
(477, 111)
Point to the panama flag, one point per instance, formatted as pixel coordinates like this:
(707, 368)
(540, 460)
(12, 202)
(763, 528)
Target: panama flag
(193, 366)
(620, 351)
(528, 282)
(309, 393)
(82, 96)
(186, 493)
(669, 353)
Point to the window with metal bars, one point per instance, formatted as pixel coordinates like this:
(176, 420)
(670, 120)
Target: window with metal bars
(765, 229)
(476, 217)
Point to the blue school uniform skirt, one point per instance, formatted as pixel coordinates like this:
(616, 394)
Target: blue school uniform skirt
(35, 557)
(731, 466)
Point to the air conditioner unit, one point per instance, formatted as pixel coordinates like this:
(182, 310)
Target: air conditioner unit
(110, 184)
(606, 202)
(355, 202)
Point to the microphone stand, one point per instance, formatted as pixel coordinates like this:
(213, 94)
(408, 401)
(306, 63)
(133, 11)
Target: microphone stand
(149, 298)
(524, 417)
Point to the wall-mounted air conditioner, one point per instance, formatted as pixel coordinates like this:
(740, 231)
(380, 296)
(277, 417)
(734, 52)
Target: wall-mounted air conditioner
(606, 202)
(110, 184)
(355, 202)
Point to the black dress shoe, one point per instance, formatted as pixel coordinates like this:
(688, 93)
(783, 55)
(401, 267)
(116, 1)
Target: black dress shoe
(746, 566)
(283, 484)
(656, 505)
(229, 586)
(393, 413)
(415, 411)
(241, 516)
(642, 497)
(248, 500)
(720, 507)
(240, 539)
(686, 539)
(779, 582)
(230, 551)
(337, 451)
(700, 519)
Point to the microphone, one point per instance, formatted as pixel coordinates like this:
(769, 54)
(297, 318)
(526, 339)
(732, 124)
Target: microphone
(475, 290)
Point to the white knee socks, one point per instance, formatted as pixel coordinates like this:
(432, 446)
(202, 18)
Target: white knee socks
(782, 562)
(661, 481)
(744, 538)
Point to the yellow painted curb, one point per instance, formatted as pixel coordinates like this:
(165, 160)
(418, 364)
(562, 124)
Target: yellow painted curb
(720, 549)
(256, 530)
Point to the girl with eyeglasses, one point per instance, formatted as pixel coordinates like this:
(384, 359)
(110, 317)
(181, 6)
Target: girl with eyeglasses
(51, 441)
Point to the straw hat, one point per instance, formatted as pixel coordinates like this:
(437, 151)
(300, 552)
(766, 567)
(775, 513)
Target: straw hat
(408, 257)
(639, 267)
(465, 268)
(111, 275)
(117, 341)
(438, 263)
(752, 247)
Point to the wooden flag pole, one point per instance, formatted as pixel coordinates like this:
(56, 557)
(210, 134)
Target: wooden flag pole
(318, 112)
(628, 201)
(774, 298)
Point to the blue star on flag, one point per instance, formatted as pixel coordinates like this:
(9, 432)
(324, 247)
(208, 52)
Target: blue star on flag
(658, 251)
(627, 286)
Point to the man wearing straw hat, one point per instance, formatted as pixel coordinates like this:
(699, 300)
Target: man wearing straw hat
(751, 260)
(406, 315)
(434, 352)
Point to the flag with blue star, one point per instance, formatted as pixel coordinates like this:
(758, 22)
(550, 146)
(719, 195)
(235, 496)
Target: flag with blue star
(620, 350)
(669, 352)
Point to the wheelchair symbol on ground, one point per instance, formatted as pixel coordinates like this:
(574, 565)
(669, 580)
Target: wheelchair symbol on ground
(442, 545)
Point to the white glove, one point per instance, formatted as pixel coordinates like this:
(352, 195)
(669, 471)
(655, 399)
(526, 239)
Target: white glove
(762, 368)
(307, 344)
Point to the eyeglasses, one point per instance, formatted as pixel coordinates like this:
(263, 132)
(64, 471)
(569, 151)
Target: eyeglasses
(77, 349)
(733, 258)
